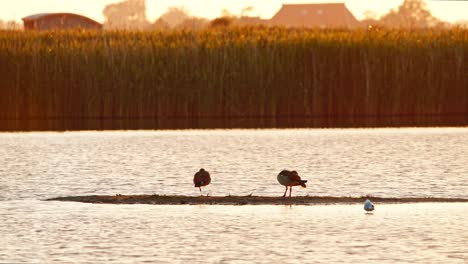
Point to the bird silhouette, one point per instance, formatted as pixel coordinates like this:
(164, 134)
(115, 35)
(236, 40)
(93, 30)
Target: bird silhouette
(201, 178)
(290, 179)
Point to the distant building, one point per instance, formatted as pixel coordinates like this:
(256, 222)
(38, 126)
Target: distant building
(334, 15)
(57, 21)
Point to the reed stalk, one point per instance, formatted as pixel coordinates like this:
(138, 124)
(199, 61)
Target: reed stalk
(235, 77)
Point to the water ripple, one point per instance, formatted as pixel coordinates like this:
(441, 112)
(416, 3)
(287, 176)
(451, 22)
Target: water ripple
(355, 162)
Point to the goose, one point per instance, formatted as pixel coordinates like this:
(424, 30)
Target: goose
(201, 178)
(290, 178)
(368, 206)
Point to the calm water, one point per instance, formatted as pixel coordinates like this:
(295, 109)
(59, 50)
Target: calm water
(378, 162)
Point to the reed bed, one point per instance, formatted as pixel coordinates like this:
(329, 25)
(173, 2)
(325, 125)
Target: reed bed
(235, 77)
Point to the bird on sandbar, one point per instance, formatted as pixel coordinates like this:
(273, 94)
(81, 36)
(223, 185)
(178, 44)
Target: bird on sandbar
(368, 206)
(201, 178)
(290, 178)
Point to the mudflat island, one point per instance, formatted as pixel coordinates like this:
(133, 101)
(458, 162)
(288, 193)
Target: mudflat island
(242, 200)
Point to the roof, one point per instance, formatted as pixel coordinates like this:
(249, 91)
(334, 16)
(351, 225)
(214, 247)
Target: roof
(36, 16)
(45, 15)
(315, 15)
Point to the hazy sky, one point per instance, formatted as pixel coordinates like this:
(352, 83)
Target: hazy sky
(450, 11)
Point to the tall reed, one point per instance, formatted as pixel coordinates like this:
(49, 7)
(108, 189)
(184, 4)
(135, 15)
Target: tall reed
(235, 77)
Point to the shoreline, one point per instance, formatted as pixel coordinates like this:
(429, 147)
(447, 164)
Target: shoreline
(244, 200)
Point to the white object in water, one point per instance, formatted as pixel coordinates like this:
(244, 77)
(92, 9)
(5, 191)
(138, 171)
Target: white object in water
(368, 206)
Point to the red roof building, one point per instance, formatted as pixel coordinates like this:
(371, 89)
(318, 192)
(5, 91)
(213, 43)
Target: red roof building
(334, 15)
(58, 21)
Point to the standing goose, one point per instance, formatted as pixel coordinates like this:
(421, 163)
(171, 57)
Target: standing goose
(201, 178)
(290, 178)
(368, 206)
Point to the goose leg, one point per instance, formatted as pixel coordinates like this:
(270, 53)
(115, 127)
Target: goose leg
(284, 195)
(290, 190)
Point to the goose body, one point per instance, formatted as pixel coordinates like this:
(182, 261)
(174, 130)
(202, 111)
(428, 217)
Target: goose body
(290, 178)
(201, 178)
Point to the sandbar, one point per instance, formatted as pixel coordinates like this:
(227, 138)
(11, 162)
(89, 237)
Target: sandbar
(243, 200)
